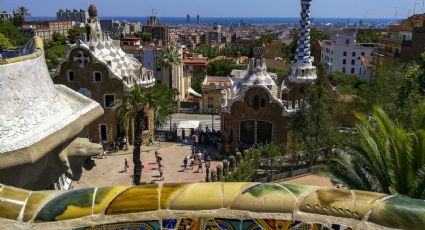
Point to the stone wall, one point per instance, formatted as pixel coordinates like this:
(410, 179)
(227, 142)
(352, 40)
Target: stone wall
(243, 110)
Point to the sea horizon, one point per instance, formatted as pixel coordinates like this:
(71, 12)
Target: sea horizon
(248, 20)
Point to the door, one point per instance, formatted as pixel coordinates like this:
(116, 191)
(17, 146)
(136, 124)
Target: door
(103, 132)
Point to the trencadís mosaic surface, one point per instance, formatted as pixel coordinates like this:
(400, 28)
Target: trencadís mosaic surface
(208, 206)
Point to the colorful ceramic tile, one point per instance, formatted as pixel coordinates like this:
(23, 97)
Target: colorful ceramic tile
(191, 199)
(271, 224)
(141, 225)
(37, 200)
(328, 200)
(168, 192)
(70, 205)
(229, 224)
(12, 201)
(250, 225)
(231, 191)
(400, 212)
(364, 202)
(103, 197)
(169, 223)
(297, 189)
(189, 224)
(272, 198)
(137, 199)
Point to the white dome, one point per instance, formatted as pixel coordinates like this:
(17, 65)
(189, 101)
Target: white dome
(257, 75)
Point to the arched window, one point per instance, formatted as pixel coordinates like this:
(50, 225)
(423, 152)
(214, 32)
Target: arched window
(263, 103)
(256, 102)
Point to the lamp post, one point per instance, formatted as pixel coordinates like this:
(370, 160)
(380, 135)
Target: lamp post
(211, 107)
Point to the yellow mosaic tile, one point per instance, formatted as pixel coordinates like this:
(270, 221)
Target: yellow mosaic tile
(137, 199)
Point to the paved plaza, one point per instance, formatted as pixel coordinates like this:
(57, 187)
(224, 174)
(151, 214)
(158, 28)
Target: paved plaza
(109, 171)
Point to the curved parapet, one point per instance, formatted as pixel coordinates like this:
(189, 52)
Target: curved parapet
(208, 206)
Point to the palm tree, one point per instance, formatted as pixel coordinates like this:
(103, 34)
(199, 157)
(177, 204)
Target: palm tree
(23, 12)
(389, 158)
(170, 57)
(132, 105)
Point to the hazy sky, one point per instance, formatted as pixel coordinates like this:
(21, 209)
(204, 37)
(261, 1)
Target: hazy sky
(225, 8)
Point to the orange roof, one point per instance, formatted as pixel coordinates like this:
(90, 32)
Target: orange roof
(196, 61)
(418, 17)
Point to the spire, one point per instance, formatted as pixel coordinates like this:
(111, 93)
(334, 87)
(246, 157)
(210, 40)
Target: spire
(303, 51)
(302, 69)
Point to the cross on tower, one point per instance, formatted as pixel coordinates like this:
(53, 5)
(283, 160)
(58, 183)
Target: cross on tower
(82, 58)
(258, 52)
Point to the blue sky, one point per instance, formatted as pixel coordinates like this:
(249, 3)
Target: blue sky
(225, 8)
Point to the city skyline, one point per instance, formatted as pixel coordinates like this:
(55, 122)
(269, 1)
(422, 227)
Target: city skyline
(223, 8)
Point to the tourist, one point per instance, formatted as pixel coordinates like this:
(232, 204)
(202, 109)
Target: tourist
(158, 160)
(200, 156)
(124, 141)
(103, 154)
(125, 165)
(185, 162)
(156, 155)
(200, 167)
(150, 141)
(161, 172)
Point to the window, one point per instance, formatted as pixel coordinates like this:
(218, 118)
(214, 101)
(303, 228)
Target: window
(347, 41)
(109, 100)
(345, 54)
(362, 53)
(352, 70)
(252, 132)
(210, 102)
(97, 77)
(344, 61)
(353, 54)
(103, 132)
(70, 76)
(257, 102)
(263, 103)
(158, 69)
(353, 62)
(343, 70)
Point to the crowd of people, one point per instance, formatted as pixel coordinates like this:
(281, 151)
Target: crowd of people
(119, 144)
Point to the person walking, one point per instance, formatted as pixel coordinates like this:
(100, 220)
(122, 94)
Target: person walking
(200, 166)
(126, 164)
(161, 172)
(185, 162)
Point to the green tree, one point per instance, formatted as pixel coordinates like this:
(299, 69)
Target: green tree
(314, 125)
(259, 156)
(75, 33)
(265, 39)
(5, 42)
(221, 67)
(197, 81)
(207, 51)
(145, 36)
(168, 59)
(317, 35)
(367, 36)
(54, 55)
(10, 31)
(389, 158)
(23, 12)
(58, 38)
(133, 105)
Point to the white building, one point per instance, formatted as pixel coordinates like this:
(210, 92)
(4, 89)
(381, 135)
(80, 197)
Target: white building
(344, 54)
(75, 15)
